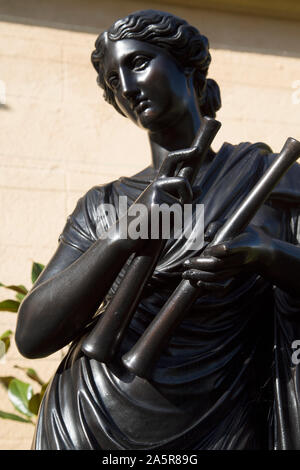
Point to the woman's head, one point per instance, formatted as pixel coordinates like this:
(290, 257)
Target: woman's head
(183, 42)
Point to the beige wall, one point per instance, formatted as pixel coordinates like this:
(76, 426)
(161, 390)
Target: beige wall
(59, 138)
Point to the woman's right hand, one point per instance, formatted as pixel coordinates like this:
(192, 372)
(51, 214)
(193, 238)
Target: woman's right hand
(169, 186)
(168, 189)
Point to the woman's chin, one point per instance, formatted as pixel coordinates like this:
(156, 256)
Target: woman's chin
(148, 120)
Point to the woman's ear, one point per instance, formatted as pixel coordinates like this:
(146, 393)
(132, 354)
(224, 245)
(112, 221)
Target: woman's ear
(189, 70)
(189, 74)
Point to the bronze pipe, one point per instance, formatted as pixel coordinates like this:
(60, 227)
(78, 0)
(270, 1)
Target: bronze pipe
(104, 339)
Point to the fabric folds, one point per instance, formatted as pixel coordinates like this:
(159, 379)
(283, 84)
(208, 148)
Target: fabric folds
(226, 379)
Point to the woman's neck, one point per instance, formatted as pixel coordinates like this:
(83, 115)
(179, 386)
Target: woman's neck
(176, 137)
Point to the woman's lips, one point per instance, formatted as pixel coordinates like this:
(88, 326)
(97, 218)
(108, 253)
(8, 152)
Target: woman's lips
(141, 106)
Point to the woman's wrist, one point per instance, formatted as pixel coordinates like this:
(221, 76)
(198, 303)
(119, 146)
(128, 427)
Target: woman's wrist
(120, 241)
(281, 265)
(268, 255)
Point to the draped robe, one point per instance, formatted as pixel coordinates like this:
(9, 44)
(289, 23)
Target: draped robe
(226, 380)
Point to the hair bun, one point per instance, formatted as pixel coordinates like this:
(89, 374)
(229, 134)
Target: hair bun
(212, 98)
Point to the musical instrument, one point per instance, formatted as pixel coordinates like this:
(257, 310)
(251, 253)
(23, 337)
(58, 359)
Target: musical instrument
(103, 341)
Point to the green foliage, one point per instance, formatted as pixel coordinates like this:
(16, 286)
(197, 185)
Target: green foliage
(22, 397)
(12, 305)
(5, 380)
(9, 305)
(20, 393)
(37, 268)
(35, 401)
(5, 338)
(14, 417)
(20, 289)
(31, 373)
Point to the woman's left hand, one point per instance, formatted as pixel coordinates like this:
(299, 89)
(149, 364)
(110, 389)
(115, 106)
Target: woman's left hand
(216, 268)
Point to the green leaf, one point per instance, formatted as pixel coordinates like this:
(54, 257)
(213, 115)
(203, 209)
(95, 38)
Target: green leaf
(5, 380)
(32, 374)
(4, 346)
(5, 338)
(19, 394)
(20, 289)
(3, 349)
(20, 297)
(6, 334)
(9, 306)
(36, 400)
(14, 417)
(44, 388)
(37, 268)
(34, 403)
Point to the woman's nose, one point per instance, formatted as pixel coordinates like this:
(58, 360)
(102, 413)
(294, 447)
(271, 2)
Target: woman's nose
(129, 87)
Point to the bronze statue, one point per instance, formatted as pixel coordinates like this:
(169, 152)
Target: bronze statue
(171, 348)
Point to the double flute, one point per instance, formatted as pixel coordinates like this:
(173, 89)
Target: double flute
(104, 340)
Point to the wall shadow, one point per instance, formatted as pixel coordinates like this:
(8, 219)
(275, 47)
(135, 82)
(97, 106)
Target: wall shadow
(4, 107)
(235, 32)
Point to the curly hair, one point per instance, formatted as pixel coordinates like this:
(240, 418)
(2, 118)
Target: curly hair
(183, 41)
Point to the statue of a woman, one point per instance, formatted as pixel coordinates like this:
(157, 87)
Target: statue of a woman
(226, 379)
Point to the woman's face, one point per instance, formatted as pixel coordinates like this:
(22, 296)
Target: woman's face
(149, 86)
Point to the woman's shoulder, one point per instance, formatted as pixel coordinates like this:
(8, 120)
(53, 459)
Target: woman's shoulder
(96, 194)
(261, 156)
(83, 226)
(244, 149)
(97, 209)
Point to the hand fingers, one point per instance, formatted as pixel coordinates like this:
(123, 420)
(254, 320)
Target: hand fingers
(213, 264)
(177, 185)
(170, 163)
(212, 229)
(205, 276)
(238, 245)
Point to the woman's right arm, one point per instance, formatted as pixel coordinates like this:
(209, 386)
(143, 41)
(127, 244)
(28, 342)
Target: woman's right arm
(67, 294)
(73, 285)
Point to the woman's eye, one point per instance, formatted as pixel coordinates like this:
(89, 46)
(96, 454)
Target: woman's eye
(113, 81)
(140, 62)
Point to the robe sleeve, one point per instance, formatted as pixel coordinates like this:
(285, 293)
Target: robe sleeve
(89, 219)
